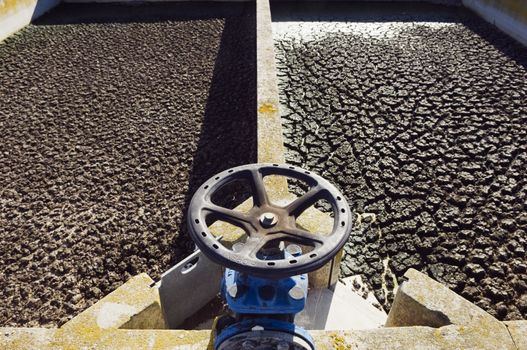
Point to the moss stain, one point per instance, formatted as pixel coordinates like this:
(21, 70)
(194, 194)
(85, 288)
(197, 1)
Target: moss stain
(267, 108)
(339, 342)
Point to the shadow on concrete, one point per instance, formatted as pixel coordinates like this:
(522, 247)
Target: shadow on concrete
(499, 40)
(228, 131)
(398, 11)
(83, 13)
(338, 11)
(43, 6)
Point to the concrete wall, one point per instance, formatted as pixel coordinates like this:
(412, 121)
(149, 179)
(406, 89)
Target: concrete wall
(16, 14)
(508, 15)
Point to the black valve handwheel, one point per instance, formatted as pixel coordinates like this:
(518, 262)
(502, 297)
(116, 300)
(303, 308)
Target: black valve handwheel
(266, 223)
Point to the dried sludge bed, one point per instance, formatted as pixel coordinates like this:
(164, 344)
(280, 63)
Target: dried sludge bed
(110, 118)
(419, 114)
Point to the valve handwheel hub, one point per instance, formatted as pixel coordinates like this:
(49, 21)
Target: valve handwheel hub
(267, 223)
(268, 220)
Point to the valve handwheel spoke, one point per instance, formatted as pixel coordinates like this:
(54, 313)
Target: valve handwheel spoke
(304, 236)
(266, 224)
(299, 205)
(231, 216)
(253, 245)
(258, 188)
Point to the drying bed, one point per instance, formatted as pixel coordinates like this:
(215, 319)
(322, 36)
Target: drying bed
(110, 118)
(419, 114)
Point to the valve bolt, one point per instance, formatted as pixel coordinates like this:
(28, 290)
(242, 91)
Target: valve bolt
(296, 293)
(294, 249)
(268, 219)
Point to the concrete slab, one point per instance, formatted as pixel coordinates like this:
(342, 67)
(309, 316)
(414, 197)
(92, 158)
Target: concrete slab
(450, 337)
(341, 309)
(134, 305)
(38, 338)
(421, 301)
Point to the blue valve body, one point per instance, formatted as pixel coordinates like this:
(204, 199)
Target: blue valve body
(256, 295)
(267, 324)
(262, 304)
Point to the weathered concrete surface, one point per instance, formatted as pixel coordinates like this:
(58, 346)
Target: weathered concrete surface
(340, 309)
(419, 116)
(270, 143)
(477, 334)
(134, 305)
(47, 339)
(518, 332)
(508, 15)
(407, 338)
(16, 14)
(110, 118)
(421, 301)
(449, 337)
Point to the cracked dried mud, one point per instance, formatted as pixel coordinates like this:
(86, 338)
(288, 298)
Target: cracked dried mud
(110, 118)
(420, 116)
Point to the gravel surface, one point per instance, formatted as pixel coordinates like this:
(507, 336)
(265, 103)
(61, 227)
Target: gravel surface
(419, 114)
(110, 117)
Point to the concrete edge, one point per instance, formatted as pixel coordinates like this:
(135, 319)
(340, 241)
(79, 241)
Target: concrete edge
(439, 306)
(39, 338)
(449, 337)
(422, 301)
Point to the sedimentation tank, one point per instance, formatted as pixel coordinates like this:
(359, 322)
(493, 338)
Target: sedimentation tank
(111, 115)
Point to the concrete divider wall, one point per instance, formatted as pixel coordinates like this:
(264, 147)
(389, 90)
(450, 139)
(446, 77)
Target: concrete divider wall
(16, 14)
(508, 15)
